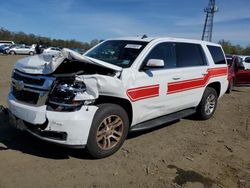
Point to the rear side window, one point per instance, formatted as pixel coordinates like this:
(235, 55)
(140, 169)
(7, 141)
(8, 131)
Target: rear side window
(217, 54)
(189, 55)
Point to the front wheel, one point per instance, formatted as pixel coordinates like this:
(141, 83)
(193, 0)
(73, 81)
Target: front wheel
(12, 53)
(208, 104)
(108, 131)
(31, 53)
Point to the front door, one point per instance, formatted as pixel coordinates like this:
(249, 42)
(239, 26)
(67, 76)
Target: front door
(242, 78)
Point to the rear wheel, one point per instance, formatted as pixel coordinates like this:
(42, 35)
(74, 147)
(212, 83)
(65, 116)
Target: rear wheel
(108, 131)
(31, 53)
(208, 104)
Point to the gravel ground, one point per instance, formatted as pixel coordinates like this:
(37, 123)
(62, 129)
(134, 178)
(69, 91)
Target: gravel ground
(187, 153)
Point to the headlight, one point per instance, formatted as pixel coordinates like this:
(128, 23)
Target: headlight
(66, 91)
(62, 96)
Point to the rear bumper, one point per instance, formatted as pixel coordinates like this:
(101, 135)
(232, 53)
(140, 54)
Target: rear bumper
(69, 129)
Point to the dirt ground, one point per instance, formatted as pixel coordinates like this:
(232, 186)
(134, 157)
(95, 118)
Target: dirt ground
(187, 153)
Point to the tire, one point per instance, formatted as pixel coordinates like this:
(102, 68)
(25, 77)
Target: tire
(230, 86)
(208, 104)
(12, 53)
(108, 131)
(31, 53)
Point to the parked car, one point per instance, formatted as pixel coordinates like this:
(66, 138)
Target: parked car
(3, 48)
(22, 49)
(238, 75)
(121, 85)
(52, 50)
(3, 42)
(245, 61)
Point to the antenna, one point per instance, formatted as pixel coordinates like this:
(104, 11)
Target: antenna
(208, 26)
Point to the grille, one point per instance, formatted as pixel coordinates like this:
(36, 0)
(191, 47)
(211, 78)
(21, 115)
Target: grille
(28, 80)
(32, 89)
(26, 96)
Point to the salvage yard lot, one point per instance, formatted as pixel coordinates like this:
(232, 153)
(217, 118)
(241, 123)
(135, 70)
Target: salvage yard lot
(187, 153)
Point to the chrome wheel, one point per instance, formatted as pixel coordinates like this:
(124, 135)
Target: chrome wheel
(210, 104)
(109, 132)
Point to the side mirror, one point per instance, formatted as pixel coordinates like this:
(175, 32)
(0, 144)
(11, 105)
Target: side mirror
(155, 63)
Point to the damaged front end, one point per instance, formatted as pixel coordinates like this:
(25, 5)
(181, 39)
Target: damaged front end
(56, 95)
(64, 82)
(70, 93)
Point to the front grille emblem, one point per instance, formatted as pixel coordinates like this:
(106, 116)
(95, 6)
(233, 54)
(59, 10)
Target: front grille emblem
(19, 85)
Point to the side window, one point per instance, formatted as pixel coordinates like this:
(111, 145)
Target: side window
(217, 54)
(189, 55)
(165, 52)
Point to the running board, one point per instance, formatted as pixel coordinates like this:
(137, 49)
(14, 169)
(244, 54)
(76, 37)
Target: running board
(162, 120)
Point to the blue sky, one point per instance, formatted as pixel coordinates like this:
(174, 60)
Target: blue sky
(85, 20)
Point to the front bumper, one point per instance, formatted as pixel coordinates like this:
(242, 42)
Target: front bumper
(65, 128)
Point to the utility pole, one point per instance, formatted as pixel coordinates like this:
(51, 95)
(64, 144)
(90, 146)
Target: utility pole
(208, 26)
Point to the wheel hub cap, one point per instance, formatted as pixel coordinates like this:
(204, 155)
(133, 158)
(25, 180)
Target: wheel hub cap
(109, 132)
(210, 104)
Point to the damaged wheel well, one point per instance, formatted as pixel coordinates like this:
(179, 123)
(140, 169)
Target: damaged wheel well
(119, 101)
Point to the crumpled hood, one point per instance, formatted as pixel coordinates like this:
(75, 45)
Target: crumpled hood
(47, 64)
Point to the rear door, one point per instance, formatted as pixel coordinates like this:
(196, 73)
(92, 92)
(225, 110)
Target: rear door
(193, 74)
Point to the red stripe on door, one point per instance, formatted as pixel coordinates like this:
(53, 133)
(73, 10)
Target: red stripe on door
(175, 87)
(145, 92)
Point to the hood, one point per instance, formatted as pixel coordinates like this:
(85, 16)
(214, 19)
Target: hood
(47, 64)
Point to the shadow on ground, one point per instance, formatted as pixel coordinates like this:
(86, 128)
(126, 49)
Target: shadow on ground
(12, 139)
(185, 176)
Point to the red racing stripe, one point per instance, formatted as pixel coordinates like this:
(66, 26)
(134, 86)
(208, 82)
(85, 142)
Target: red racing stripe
(175, 87)
(145, 92)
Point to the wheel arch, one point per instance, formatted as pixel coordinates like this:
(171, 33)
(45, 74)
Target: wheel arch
(124, 103)
(216, 86)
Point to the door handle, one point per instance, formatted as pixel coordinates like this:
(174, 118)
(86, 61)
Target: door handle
(176, 78)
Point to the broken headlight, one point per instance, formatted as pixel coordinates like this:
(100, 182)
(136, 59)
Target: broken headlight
(63, 96)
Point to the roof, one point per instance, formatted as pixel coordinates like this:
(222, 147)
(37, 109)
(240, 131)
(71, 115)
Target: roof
(149, 39)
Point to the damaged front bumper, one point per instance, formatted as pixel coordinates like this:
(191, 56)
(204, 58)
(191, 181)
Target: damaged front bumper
(70, 129)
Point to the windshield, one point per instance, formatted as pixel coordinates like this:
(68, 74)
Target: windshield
(118, 52)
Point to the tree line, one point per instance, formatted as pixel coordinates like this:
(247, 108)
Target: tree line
(29, 39)
(229, 48)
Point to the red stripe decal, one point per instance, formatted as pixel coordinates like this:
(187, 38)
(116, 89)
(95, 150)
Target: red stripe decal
(145, 92)
(175, 87)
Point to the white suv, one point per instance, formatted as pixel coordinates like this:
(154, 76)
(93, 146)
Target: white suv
(121, 85)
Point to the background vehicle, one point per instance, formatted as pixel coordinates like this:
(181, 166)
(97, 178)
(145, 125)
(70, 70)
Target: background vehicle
(237, 74)
(6, 47)
(52, 50)
(3, 48)
(22, 49)
(2, 42)
(246, 61)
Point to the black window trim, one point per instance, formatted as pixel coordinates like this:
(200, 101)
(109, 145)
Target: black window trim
(204, 57)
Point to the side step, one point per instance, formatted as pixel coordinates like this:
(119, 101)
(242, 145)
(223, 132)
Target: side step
(162, 120)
